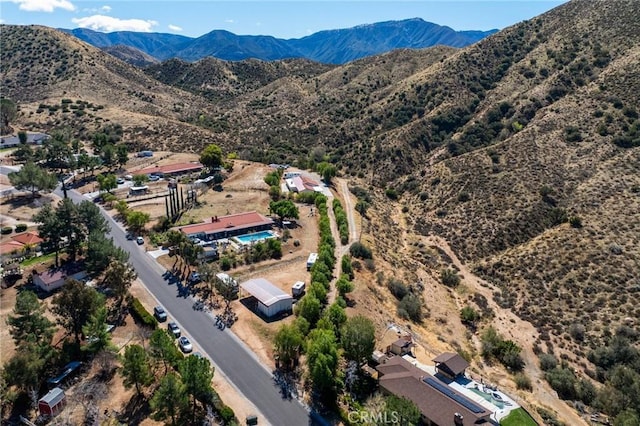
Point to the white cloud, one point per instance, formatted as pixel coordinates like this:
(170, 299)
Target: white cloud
(229, 21)
(103, 9)
(44, 5)
(174, 27)
(109, 24)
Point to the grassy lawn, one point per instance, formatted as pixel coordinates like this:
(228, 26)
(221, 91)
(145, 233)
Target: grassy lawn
(34, 260)
(518, 417)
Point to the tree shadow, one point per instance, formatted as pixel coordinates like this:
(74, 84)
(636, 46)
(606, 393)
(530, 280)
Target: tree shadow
(136, 410)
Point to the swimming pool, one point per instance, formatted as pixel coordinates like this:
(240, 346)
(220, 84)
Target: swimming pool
(489, 398)
(252, 238)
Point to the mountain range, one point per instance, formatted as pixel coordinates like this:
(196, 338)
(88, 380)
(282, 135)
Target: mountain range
(333, 46)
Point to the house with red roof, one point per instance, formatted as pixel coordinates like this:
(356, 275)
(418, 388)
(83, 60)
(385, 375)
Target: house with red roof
(219, 227)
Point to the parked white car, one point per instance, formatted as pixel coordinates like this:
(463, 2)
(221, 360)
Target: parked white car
(185, 344)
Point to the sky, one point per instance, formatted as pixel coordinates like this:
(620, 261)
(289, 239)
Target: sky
(281, 19)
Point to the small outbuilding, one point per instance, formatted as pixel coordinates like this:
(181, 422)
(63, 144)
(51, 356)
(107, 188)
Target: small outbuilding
(271, 300)
(450, 364)
(52, 403)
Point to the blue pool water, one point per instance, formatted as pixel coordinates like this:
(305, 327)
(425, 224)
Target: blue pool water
(257, 236)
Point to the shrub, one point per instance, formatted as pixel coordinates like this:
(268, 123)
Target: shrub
(575, 222)
(523, 382)
(463, 197)
(360, 251)
(225, 263)
(6, 230)
(21, 227)
(410, 307)
(391, 193)
(139, 311)
(449, 277)
(547, 362)
(469, 316)
(397, 288)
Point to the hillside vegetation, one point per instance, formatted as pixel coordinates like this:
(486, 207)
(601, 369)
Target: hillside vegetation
(522, 151)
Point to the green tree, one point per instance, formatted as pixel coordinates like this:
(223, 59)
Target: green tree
(628, 417)
(162, 349)
(91, 217)
(346, 267)
(118, 277)
(25, 370)
(287, 344)
(140, 180)
(358, 339)
(101, 252)
(107, 182)
(72, 228)
(50, 228)
(211, 156)
(95, 331)
(23, 153)
(343, 285)
(309, 308)
(406, 412)
(74, 305)
(336, 316)
(122, 155)
(137, 220)
(197, 375)
(8, 112)
(327, 170)
(108, 156)
(33, 178)
(135, 368)
(28, 324)
(285, 209)
(170, 399)
(322, 361)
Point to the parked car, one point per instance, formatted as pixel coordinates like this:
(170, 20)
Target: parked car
(120, 181)
(128, 177)
(130, 236)
(140, 241)
(160, 313)
(194, 278)
(174, 329)
(154, 178)
(185, 344)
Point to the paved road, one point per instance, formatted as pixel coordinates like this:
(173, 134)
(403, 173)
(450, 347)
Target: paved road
(227, 352)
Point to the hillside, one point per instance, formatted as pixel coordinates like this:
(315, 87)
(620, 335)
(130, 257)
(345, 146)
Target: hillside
(331, 47)
(492, 147)
(521, 151)
(40, 67)
(131, 55)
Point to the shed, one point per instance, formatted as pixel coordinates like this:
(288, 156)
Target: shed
(450, 364)
(52, 403)
(401, 346)
(271, 300)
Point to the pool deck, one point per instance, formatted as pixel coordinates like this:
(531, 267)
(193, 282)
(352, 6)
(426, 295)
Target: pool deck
(464, 386)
